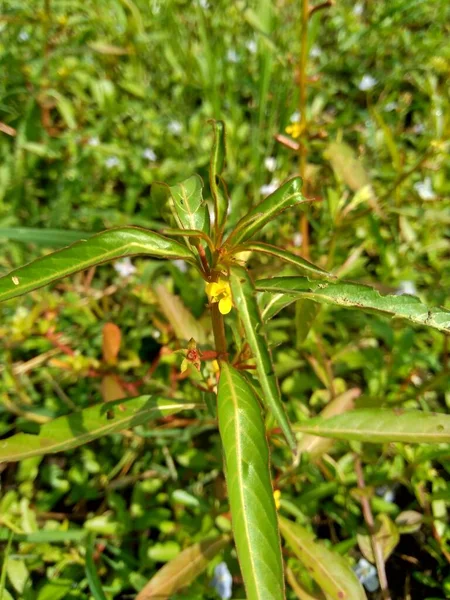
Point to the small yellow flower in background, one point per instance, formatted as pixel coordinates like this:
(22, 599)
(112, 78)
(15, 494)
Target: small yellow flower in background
(220, 291)
(215, 366)
(295, 130)
(277, 497)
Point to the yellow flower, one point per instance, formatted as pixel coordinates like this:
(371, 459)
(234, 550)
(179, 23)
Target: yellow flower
(277, 497)
(220, 291)
(295, 130)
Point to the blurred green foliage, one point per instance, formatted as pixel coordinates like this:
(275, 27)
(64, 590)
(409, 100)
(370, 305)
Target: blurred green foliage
(102, 98)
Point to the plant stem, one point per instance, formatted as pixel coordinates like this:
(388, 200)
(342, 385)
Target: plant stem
(368, 517)
(302, 82)
(219, 331)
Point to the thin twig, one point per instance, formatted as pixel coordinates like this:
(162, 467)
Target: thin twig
(368, 518)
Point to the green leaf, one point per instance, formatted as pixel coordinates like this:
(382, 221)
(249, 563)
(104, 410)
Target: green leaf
(386, 534)
(328, 569)
(89, 424)
(293, 259)
(182, 570)
(244, 299)
(47, 238)
(287, 196)
(188, 200)
(356, 295)
(346, 166)
(216, 166)
(55, 590)
(380, 425)
(185, 325)
(101, 248)
(249, 485)
(91, 571)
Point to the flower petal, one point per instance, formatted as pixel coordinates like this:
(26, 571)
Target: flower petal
(225, 305)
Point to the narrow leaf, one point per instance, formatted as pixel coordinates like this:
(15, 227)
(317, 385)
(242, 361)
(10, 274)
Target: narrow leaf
(245, 301)
(287, 196)
(191, 209)
(346, 165)
(89, 424)
(328, 569)
(380, 425)
(284, 255)
(356, 295)
(182, 570)
(91, 571)
(185, 325)
(216, 166)
(46, 238)
(249, 485)
(111, 340)
(101, 248)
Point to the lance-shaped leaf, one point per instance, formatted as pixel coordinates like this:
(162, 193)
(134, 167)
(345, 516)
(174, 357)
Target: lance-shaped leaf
(328, 569)
(287, 196)
(288, 257)
(191, 209)
(216, 166)
(379, 425)
(363, 297)
(244, 299)
(47, 238)
(100, 248)
(249, 485)
(182, 570)
(86, 425)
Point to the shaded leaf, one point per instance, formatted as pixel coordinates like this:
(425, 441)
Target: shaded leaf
(328, 569)
(287, 196)
(356, 295)
(91, 570)
(245, 301)
(89, 424)
(380, 425)
(249, 485)
(346, 166)
(100, 248)
(182, 570)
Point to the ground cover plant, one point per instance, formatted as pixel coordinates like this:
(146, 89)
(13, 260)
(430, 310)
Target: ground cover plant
(282, 336)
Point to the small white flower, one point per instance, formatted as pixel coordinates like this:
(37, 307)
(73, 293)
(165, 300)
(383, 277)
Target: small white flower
(94, 141)
(181, 265)
(358, 9)
(425, 189)
(24, 36)
(295, 117)
(222, 581)
(203, 4)
(367, 575)
(270, 163)
(252, 46)
(232, 56)
(315, 52)
(390, 106)
(385, 492)
(367, 83)
(269, 188)
(406, 287)
(149, 154)
(124, 267)
(175, 127)
(418, 128)
(112, 162)
(297, 239)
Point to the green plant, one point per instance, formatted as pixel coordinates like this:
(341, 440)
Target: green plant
(221, 256)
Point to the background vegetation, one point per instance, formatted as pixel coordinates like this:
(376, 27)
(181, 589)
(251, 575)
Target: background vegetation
(102, 98)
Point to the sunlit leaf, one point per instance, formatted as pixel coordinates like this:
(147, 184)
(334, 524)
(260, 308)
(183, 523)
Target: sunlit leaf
(382, 425)
(346, 166)
(182, 570)
(216, 183)
(101, 248)
(249, 485)
(328, 569)
(111, 341)
(185, 325)
(355, 295)
(287, 196)
(245, 301)
(89, 424)
(191, 209)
